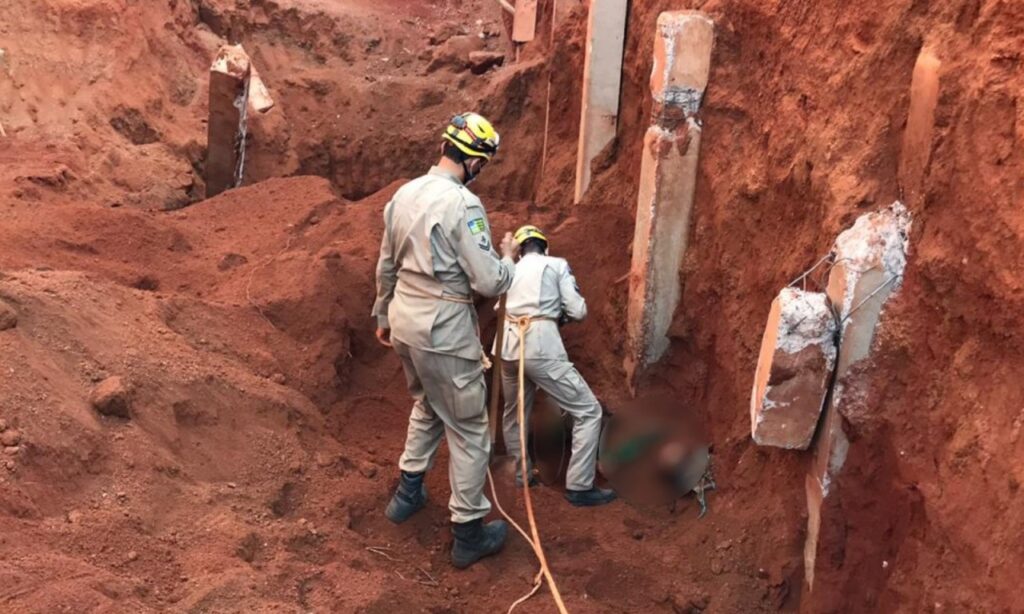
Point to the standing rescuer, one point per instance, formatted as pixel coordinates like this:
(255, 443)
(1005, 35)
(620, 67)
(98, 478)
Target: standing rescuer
(436, 250)
(544, 291)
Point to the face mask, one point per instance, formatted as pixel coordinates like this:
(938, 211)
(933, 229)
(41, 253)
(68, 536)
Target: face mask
(470, 175)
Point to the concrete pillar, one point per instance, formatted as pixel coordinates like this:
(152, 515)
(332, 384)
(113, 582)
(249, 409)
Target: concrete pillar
(869, 261)
(668, 176)
(794, 370)
(602, 78)
(917, 137)
(524, 24)
(229, 96)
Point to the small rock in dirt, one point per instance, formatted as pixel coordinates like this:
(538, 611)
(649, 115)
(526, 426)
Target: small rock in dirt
(368, 470)
(445, 31)
(278, 378)
(10, 437)
(482, 61)
(638, 534)
(231, 261)
(74, 517)
(250, 548)
(324, 460)
(690, 605)
(147, 283)
(132, 556)
(11, 450)
(10, 465)
(112, 397)
(8, 316)
(3, 424)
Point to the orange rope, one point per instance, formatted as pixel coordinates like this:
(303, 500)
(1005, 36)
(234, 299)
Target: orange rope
(523, 324)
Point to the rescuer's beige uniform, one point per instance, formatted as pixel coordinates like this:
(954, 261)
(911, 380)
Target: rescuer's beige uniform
(545, 290)
(435, 251)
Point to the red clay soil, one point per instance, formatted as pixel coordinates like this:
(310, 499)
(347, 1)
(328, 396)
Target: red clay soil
(266, 422)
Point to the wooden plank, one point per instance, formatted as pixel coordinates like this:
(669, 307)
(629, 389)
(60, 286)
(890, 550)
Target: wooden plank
(524, 26)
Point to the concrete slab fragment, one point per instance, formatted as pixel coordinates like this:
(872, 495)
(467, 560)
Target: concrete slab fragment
(229, 96)
(794, 370)
(870, 259)
(524, 24)
(602, 80)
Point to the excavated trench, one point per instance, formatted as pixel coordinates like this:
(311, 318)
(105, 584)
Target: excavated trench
(264, 421)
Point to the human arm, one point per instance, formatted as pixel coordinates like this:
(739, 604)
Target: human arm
(387, 279)
(574, 306)
(489, 274)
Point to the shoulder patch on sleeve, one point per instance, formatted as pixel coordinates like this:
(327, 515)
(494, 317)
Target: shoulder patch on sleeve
(477, 225)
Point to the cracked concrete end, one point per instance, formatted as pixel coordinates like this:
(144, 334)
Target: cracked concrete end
(870, 259)
(798, 353)
(682, 59)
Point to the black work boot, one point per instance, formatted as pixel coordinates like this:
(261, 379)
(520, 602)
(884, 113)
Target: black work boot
(590, 498)
(474, 540)
(409, 498)
(533, 481)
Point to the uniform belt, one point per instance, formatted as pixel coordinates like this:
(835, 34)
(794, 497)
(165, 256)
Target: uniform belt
(516, 319)
(452, 298)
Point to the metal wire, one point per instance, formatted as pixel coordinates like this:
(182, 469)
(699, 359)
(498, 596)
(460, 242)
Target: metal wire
(868, 297)
(803, 276)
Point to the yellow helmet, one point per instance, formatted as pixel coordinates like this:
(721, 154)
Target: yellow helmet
(528, 232)
(473, 135)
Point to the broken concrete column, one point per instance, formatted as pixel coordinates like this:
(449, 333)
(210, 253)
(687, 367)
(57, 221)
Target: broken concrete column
(917, 137)
(229, 96)
(668, 177)
(798, 353)
(524, 24)
(602, 79)
(869, 261)
(259, 96)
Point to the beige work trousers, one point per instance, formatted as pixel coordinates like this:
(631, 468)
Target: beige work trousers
(450, 400)
(564, 384)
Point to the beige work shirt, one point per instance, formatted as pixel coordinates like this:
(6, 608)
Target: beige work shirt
(436, 250)
(544, 287)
